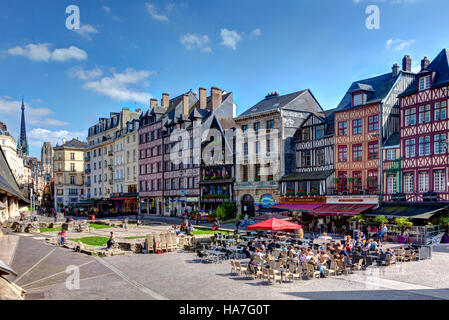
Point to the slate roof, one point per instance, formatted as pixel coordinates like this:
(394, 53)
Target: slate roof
(7, 181)
(308, 176)
(74, 143)
(281, 102)
(440, 65)
(378, 88)
(392, 141)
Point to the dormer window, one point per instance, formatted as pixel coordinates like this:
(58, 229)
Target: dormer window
(424, 83)
(359, 99)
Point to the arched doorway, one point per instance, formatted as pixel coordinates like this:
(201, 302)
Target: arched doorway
(248, 205)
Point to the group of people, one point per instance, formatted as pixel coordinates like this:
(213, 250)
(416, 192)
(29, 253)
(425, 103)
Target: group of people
(338, 251)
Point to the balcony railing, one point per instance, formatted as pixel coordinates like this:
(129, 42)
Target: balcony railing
(110, 153)
(87, 158)
(346, 191)
(111, 167)
(392, 166)
(87, 184)
(87, 171)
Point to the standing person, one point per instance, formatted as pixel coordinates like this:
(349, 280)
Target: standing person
(63, 237)
(126, 223)
(301, 232)
(237, 225)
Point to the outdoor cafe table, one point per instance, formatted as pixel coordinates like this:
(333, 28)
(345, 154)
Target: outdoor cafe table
(220, 255)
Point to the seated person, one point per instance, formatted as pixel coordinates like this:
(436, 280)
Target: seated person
(325, 236)
(79, 247)
(253, 263)
(392, 256)
(111, 240)
(247, 252)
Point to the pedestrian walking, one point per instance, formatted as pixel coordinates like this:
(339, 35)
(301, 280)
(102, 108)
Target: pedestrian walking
(126, 223)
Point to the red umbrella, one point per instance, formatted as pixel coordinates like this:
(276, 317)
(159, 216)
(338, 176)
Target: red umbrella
(274, 225)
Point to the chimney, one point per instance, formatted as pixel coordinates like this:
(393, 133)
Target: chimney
(395, 70)
(165, 102)
(203, 98)
(424, 63)
(153, 103)
(217, 98)
(407, 64)
(186, 104)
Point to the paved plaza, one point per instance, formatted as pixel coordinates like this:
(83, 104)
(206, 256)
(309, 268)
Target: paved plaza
(179, 275)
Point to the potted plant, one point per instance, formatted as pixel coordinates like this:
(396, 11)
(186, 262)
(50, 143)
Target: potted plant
(380, 220)
(302, 193)
(444, 223)
(314, 192)
(290, 192)
(403, 223)
(359, 219)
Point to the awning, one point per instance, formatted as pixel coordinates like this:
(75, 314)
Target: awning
(307, 176)
(221, 181)
(341, 209)
(412, 211)
(305, 207)
(274, 225)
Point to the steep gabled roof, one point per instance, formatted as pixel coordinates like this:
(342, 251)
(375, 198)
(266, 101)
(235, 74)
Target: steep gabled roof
(74, 143)
(376, 88)
(392, 141)
(439, 65)
(299, 101)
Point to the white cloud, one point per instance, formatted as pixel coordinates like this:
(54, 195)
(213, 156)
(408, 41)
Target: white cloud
(56, 123)
(398, 44)
(230, 38)
(255, 33)
(42, 52)
(35, 52)
(86, 30)
(151, 8)
(119, 86)
(82, 74)
(36, 116)
(192, 41)
(106, 9)
(38, 136)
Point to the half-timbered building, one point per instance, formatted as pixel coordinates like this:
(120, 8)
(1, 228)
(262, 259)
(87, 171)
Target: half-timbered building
(314, 157)
(368, 115)
(424, 132)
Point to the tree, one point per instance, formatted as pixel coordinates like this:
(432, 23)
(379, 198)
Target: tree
(403, 222)
(227, 211)
(380, 220)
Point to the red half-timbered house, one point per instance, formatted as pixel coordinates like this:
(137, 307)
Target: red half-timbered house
(367, 116)
(424, 133)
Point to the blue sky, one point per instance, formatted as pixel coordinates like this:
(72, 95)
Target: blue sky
(129, 51)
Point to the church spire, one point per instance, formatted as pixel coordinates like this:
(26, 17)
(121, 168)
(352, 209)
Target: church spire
(23, 142)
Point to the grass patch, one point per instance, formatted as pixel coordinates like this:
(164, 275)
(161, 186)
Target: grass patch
(50, 229)
(93, 241)
(134, 238)
(99, 226)
(200, 231)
